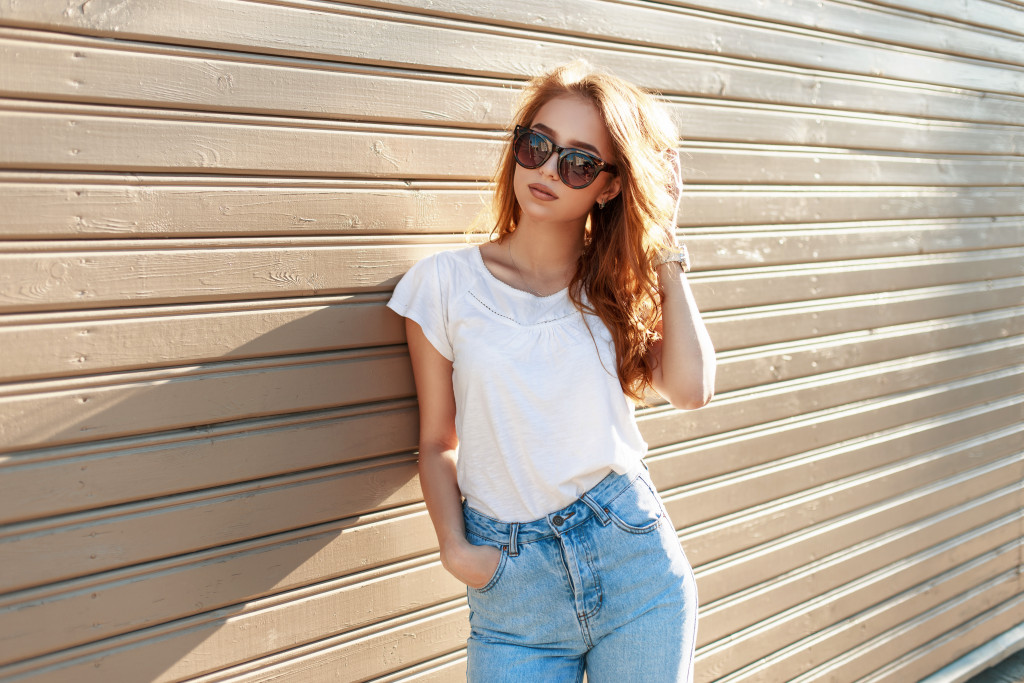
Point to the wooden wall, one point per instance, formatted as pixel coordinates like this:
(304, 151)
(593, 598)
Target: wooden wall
(207, 448)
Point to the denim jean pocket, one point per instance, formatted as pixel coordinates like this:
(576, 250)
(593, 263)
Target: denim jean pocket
(637, 508)
(498, 571)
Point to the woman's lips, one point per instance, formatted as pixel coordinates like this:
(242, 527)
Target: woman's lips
(541, 192)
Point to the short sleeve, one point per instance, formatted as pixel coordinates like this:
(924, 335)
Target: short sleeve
(422, 295)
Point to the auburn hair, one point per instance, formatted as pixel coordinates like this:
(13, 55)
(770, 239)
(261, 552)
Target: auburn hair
(615, 268)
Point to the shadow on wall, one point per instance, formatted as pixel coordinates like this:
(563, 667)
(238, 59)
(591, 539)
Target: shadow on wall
(196, 518)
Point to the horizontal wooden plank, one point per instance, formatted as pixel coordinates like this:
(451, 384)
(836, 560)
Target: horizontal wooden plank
(131, 338)
(923, 661)
(61, 205)
(743, 409)
(808, 357)
(811, 512)
(370, 36)
(902, 557)
(82, 277)
(986, 579)
(449, 667)
(730, 247)
(636, 23)
(83, 70)
(54, 412)
(126, 404)
(877, 24)
(116, 139)
(350, 657)
(216, 639)
(1000, 590)
(718, 454)
(63, 480)
(718, 497)
(169, 206)
(166, 336)
(103, 540)
(826, 534)
(748, 205)
(94, 608)
(772, 324)
(999, 16)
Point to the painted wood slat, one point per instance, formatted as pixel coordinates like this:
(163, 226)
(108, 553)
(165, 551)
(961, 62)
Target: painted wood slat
(90, 139)
(123, 405)
(778, 556)
(950, 646)
(120, 601)
(142, 338)
(865, 659)
(888, 26)
(760, 366)
(702, 459)
(375, 37)
(50, 414)
(64, 480)
(220, 638)
(756, 326)
(854, 630)
(807, 472)
(743, 409)
(826, 498)
(101, 278)
(747, 619)
(169, 206)
(632, 22)
(993, 15)
(91, 71)
(408, 640)
(88, 543)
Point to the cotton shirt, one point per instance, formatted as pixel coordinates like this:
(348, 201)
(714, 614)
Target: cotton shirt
(539, 411)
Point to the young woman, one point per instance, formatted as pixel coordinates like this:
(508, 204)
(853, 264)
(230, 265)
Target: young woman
(528, 352)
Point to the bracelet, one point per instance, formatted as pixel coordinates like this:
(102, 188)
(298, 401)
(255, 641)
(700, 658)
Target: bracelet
(679, 255)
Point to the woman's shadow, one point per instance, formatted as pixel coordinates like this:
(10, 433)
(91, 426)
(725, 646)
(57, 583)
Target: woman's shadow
(252, 507)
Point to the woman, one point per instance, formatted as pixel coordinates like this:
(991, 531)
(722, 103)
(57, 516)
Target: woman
(528, 353)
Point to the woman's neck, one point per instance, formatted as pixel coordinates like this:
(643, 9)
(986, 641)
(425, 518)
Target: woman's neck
(546, 253)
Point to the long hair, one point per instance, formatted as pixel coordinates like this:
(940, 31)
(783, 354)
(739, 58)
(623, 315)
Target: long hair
(615, 269)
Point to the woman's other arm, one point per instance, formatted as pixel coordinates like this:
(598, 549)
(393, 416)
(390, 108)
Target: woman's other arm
(471, 564)
(684, 358)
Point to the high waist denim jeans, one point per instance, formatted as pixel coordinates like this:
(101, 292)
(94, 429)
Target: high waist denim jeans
(600, 586)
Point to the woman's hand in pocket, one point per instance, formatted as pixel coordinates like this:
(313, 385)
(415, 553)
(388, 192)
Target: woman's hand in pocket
(473, 565)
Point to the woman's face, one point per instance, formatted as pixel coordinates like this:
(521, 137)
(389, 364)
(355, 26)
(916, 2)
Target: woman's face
(571, 122)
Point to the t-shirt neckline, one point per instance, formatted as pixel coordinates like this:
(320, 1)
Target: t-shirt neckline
(516, 290)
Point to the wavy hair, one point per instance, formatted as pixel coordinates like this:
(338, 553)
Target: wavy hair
(615, 268)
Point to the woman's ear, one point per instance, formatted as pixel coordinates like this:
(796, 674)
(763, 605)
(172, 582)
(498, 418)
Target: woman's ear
(610, 192)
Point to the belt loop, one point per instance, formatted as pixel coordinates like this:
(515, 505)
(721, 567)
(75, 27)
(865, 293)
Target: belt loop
(513, 544)
(602, 516)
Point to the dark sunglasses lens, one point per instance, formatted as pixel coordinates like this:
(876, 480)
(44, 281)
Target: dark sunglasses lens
(577, 170)
(531, 149)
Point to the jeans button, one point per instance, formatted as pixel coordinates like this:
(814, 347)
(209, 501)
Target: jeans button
(557, 519)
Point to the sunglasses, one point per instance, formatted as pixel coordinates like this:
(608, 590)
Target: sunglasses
(576, 168)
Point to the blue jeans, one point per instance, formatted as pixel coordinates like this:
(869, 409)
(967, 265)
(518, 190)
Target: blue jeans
(601, 585)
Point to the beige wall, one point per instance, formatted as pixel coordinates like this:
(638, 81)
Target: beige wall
(207, 418)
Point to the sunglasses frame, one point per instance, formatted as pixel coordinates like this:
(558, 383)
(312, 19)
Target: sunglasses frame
(562, 152)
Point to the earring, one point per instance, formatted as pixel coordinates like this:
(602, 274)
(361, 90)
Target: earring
(600, 204)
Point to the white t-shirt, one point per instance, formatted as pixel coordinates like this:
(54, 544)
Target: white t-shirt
(540, 415)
